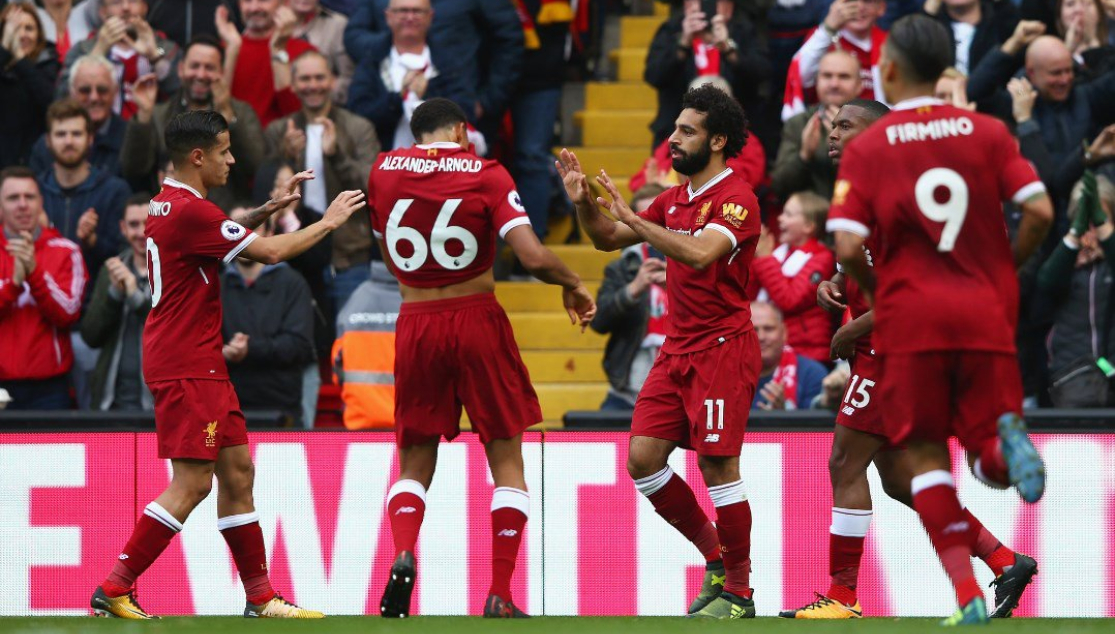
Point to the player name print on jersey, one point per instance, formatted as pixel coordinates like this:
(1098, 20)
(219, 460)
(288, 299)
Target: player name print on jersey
(929, 130)
(420, 165)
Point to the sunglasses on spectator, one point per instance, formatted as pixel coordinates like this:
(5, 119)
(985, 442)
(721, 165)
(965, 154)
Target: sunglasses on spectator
(101, 90)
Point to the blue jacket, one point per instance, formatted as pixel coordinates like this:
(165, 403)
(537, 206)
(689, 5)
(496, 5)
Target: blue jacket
(103, 192)
(480, 42)
(810, 376)
(105, 153)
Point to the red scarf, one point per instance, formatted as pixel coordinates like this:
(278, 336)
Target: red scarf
(787, 374)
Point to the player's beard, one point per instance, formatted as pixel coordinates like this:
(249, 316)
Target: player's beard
(689, 164)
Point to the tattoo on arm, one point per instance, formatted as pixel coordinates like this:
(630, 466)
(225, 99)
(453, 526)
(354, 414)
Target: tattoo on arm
(253, 218)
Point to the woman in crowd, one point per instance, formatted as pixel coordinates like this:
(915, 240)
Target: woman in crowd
(28, 67)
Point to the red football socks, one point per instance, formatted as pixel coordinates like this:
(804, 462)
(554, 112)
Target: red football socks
(733, 525)
(936, 503)
(510, 508)
(245, 540)
(674, 501)
(150, 537)
(987, 547)
(406, 507)
(846, 536)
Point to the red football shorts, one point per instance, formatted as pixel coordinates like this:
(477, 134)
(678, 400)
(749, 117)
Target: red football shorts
(195, 418)
(459, 352)
(934, 395)
(861, 409)
(701, 400)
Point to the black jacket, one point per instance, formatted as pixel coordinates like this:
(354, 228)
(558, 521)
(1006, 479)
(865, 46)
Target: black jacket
(671, 74)
(997, 23)
(26, 90)
(621, 317)
(276, 314)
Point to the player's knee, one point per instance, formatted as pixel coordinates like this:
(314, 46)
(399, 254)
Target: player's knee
(718, 469)
(897, 491)
(199, 489)
(838, 466)
(643, 465)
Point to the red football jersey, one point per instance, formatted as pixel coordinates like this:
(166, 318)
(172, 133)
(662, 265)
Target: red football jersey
(930, 179)
(709, 306)
(857, 300)
(187, 238)
(439, 208)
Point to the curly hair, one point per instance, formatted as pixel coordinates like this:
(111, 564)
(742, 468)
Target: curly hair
(723, 116)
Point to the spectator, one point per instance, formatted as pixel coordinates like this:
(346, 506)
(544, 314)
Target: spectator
(184, 20)
(28, 67)
(692, 44)
(1062, 115)
(477, 43)
(1078, 279)
(787, 380)
(536, 104)
(750, 164)
(833, 388)
(66, 22)
(850, 25)
(340, 147)
(789, 274)
(93, 85)
(203, 87)
(364, 353)
(114, 319)
(803, 162)
(631, 309)
(387, 92)
(257, 63)
(42, 280)
(977, 26)
(268, 332)
(952, 88)
(325, 29)
(83, 202)
(134, 49)
(1083, 26)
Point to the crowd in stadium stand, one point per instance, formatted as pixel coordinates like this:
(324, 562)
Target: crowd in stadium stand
(87, 88)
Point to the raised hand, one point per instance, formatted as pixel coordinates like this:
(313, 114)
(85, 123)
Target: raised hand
(144, 93)
(579, 305)
(342, 207)
(294, 141)
(840, 13)
(617, 205)
(1026, 32)
(225, 28)
(285, 21)
(811, 137)
(573, 177)
(87, 228)
(328, 136)
(774, 395)
(1022, 96)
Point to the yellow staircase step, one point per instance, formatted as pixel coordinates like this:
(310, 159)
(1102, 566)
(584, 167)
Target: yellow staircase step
(619, 95)
(552, 331)
(585, 260)
(661, 10)
(638, 31)
(565, 366)
(558, 398)
(533, 297)
(630, 63)
(616, 128)
(617, 161)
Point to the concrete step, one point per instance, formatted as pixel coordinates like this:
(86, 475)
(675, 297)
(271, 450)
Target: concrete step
(552, 331)
(638, 31)
(585, 260)
(533, 297)
(630, 63)
(558, 398)
(619, 96)
(617, 161)
(616, 128)
(564, 367)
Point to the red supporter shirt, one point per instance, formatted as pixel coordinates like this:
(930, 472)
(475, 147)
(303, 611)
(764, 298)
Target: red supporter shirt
(254, 82)
(929, 180)
(439, 208)
(710, 306)
(187, 239)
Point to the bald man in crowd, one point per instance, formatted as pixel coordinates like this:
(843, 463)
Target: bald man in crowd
(1060, 116)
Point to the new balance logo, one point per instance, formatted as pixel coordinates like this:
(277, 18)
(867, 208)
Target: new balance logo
(848, 410)
(122, 556)
(956, 527)
(507, 532)
(712, 438)
(406, 509)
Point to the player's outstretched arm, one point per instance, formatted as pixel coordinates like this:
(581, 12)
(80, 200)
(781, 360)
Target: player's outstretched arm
(275, 249)
(698, 252)
(253, 218)
(850, 254)
(546, 266)
(1037, 218)
(605, 233)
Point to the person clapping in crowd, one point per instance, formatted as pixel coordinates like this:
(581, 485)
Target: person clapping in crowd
(28, 67)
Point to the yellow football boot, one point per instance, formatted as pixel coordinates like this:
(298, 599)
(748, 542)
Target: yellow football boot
(122, 607)
(825, 608)
(280, 608)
